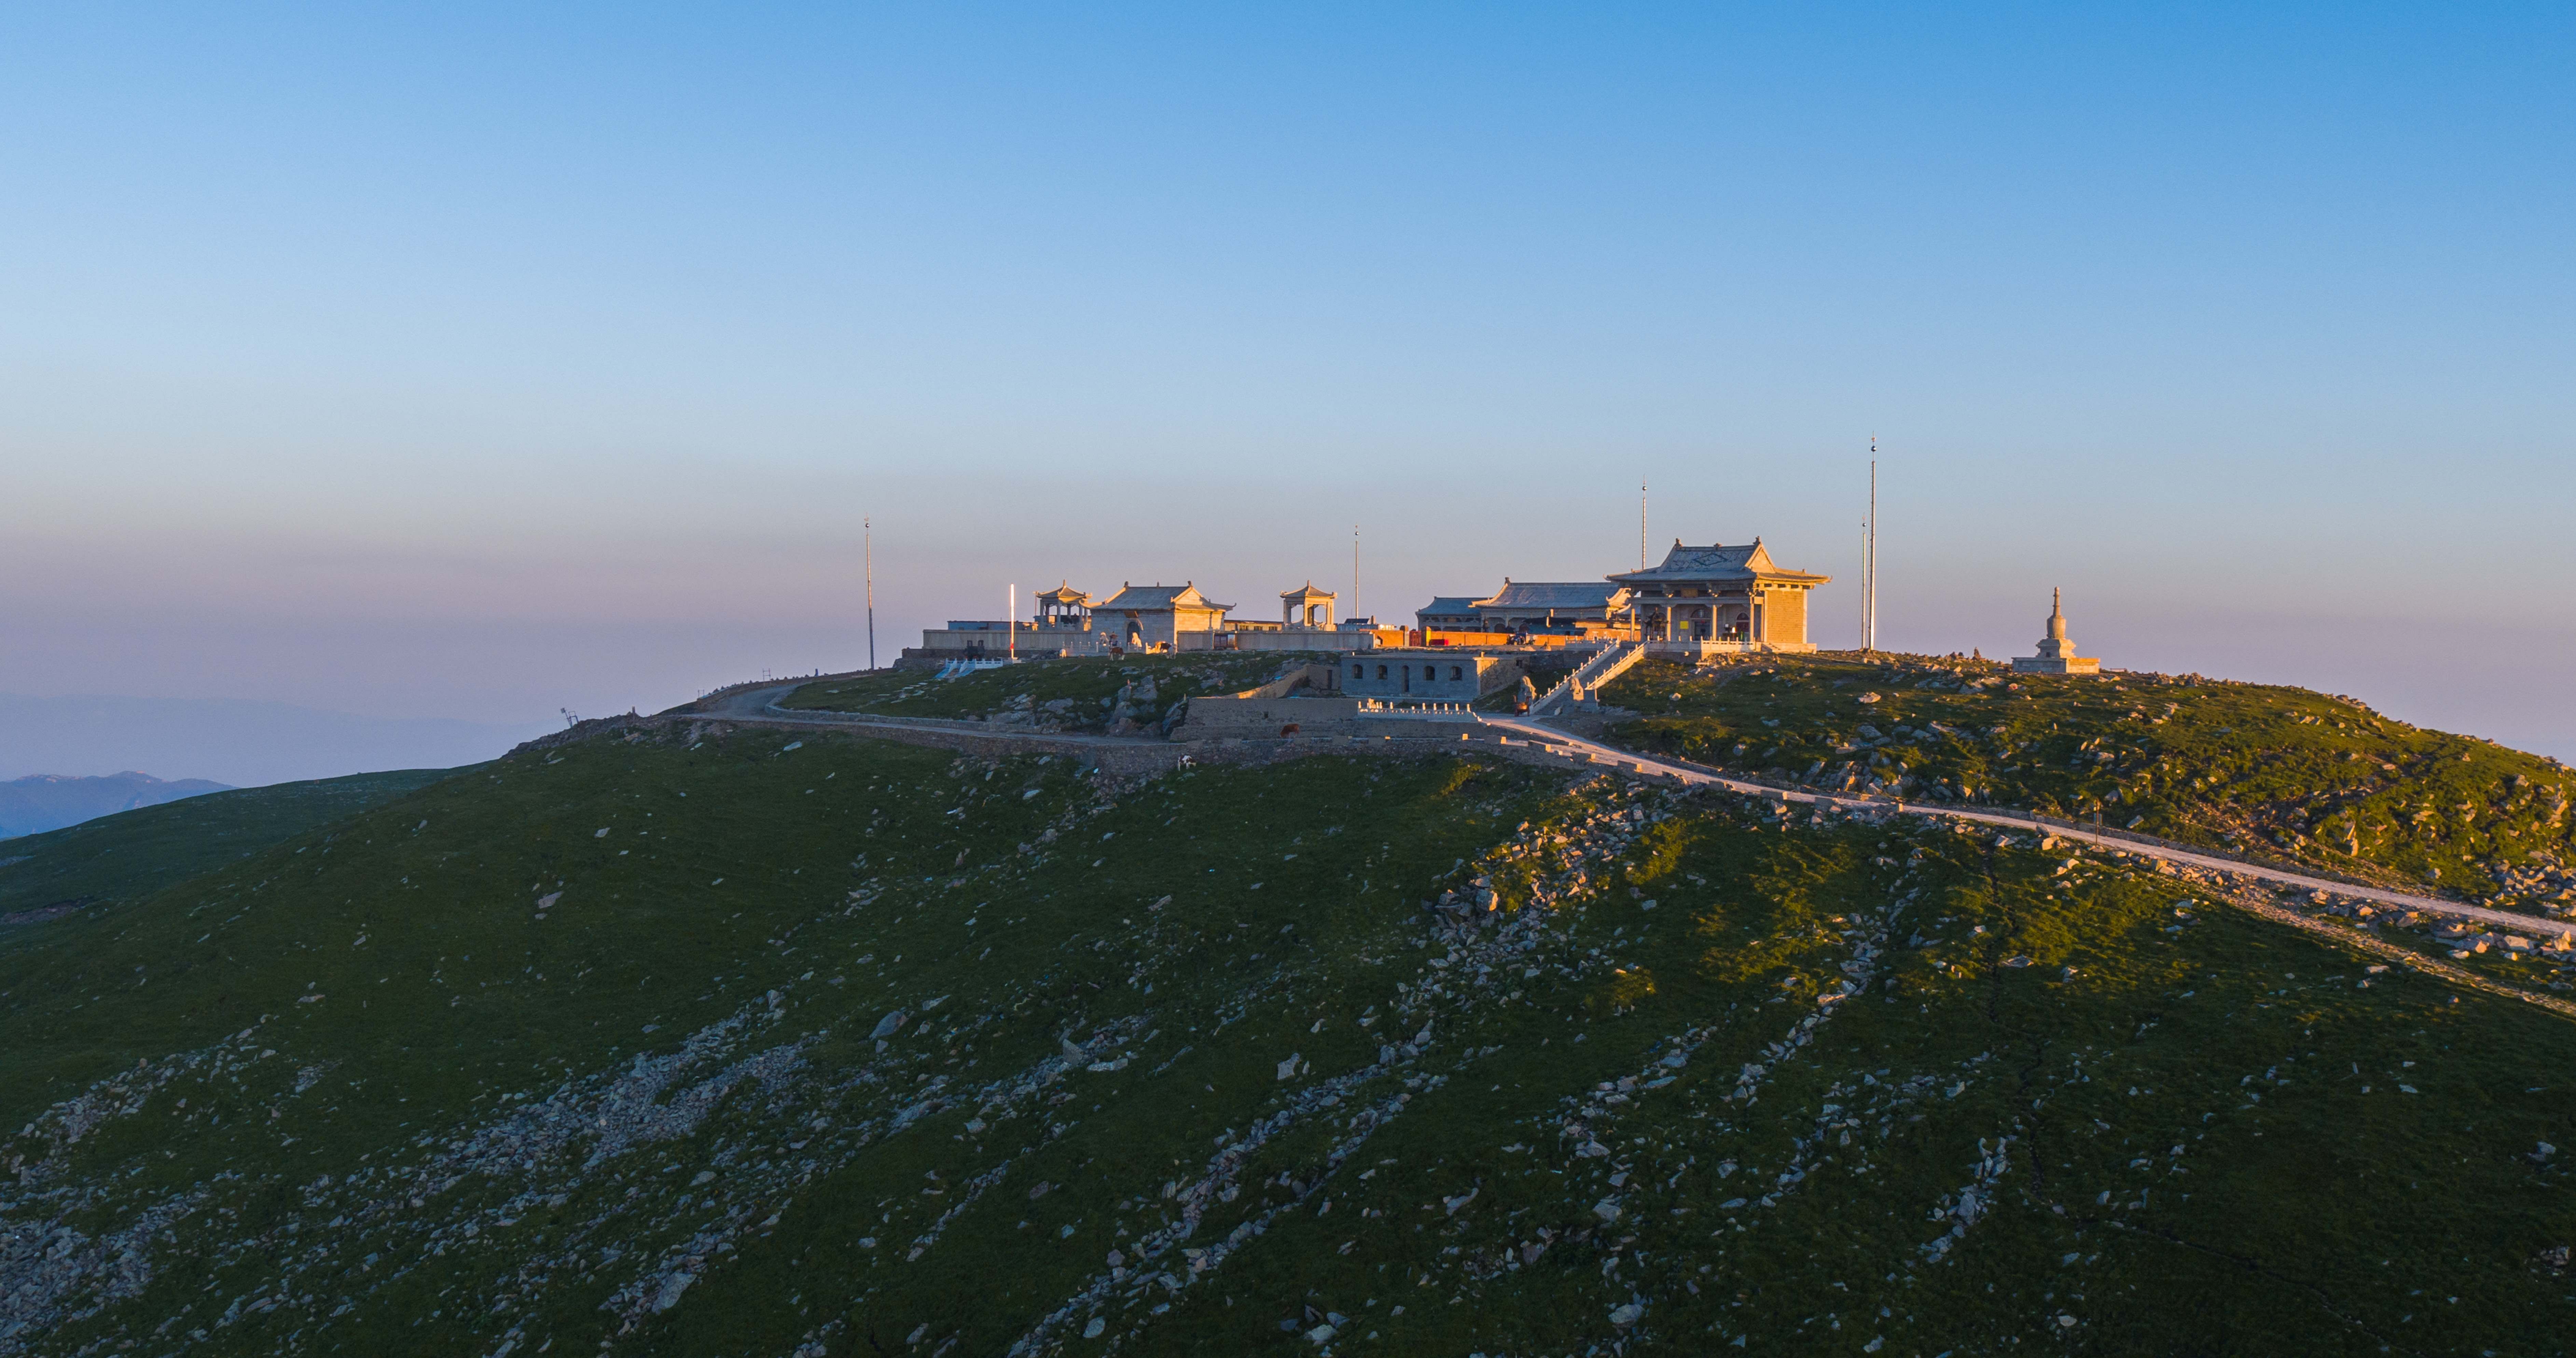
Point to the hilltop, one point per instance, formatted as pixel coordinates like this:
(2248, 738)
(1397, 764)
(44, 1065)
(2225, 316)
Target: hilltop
(691, 1037)
(2269, 772)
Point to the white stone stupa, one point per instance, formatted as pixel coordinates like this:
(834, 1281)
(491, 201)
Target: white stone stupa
(2056, 653)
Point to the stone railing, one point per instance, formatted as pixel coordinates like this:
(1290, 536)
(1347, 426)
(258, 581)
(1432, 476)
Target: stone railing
(1620, 659)
(1605, 665)
(1373, 707)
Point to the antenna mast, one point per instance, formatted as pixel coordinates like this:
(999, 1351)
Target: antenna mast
(1011, 621)
(1355, 572)
(868, 534)
(1641, 523)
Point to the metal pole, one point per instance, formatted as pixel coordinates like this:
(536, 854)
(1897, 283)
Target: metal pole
(1355, 572)
(1872, 642)
(868, 533)
(1011, 620)
(1641, 524)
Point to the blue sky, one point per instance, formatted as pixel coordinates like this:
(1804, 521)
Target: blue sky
(469, 362)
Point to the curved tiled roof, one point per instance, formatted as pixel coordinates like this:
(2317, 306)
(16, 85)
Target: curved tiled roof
(1145, 598)
(1717, 562)
(1555, 594)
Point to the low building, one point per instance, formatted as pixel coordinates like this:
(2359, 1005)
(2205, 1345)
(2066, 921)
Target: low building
(1441, 676)
(992, 639)
(1273, 637)
(2056, 653)
(1450, 613)
(1062, 627)
(1530, 607)
(1160, 617)
(1719, 598)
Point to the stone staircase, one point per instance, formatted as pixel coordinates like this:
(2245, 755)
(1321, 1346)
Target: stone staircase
(1605, 665)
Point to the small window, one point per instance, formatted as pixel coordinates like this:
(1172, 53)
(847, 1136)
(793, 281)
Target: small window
(1455, 672)
(1381, 671)
(1355, 673)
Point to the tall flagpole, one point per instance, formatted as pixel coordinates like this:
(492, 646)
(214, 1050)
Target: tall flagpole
(1869, 640)
(1641, 523)
(1355, 572)
(868, 532)
(1011, 621)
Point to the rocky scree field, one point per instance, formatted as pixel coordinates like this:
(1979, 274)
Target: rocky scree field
(2296, 777)
(719, 1041)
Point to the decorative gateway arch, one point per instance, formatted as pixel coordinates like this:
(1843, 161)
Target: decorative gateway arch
(1719, 599)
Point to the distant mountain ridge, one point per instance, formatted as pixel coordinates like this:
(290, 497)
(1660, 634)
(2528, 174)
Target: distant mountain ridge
(233, 741)
(131, 854)
(50, 801)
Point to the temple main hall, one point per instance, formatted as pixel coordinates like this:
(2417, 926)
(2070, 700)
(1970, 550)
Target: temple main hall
(1719, 598)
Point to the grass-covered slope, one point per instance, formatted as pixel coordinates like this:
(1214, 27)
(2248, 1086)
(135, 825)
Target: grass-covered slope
(1073, 694)
(773, 1046)
(134, 853)
(2298, 775)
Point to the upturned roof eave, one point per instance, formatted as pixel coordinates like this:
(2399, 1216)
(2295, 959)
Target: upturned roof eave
(1660, 575)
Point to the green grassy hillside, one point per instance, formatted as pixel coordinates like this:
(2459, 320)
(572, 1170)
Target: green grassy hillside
(2296, 775)
(1063, 695)
(771, 1045)
(135, 853)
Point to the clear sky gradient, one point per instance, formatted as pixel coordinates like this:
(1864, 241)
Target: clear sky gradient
(469, 362)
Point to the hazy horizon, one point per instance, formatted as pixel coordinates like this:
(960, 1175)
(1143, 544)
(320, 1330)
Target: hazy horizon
(237, 742)
(471, 365)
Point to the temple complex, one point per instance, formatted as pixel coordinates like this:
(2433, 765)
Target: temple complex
(2056, 653)
(1700, 602)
